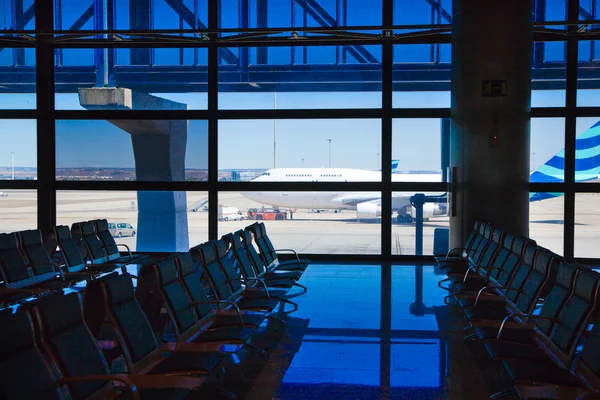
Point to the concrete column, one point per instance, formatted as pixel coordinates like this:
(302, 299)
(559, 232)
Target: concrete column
(491, 41)
(159, 148)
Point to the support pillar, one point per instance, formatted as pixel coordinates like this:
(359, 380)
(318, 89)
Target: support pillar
(491, 112)
(159, 149)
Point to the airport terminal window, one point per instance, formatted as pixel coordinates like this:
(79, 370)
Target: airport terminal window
(301, 77)
(283, 14)
(435, 224)
(421, 77)
(163, 15)
(309, 222)
(587, 150)
(417, 149)
(140, 219)
(422, 12)
(18, 144)
(548, 87)
(546, 220)
(587, 74)
(130, 150)
(587, 225)
(18, 210)
(547, 144)
(17, 92)
(303, 149)
(135, 81)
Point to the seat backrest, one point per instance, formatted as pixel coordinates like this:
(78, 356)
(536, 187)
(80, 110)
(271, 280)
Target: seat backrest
(14, 268)
(503, 253)
(264, 252)
(483, 244)
(514, 259)
(522, 272)
(191, 277)
(474, 233)
(106, 238)
(588, 366)
(68, 343)
(131, 325)
(37, 256)
(262, 228)
(558, 296)
(216, 277)
(257, 262)
(543, 273)
(93, 245)
(70, 254)
(51, 244)
(574, 317)
(236, 248)
(24, 372)
(489, 255)
(176, 301)
(223, 259)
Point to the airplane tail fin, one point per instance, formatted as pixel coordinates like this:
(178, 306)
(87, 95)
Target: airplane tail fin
(587, 162)
(395, 164)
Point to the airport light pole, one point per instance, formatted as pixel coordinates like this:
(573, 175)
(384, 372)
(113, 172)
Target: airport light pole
(329, 140)
(303, 163)
(12, 164)
(378, 166)
(533, 161)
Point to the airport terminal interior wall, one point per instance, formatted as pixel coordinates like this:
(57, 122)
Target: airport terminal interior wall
(61, 162)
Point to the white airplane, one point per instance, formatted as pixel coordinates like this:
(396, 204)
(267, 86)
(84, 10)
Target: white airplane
(368, 204)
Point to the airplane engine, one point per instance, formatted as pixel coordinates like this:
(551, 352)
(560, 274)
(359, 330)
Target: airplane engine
(430, 210)
(367, 210)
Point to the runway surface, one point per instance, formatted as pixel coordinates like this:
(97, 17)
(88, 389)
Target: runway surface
(308, 232)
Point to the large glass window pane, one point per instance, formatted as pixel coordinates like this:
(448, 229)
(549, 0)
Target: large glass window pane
(284, 14)
(18, 210)
(17, 15)
(18, 149)
(143, 220)
(309, 222)
(435, 225)
(588, 74)
(339, 150)
(417, 12)
(546, 220)
(124, 150)
(161, 14)
(300, 77)
(136, 79)
(17, 78)
(549, 74)
(417, 149)
(587, 150)
(547, 144)
(421, 76)
(587, 225)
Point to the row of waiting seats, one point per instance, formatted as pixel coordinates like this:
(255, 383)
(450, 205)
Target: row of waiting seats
(535, 313)
(171, 332)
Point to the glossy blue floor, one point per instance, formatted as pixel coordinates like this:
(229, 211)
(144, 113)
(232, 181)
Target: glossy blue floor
(366, 338)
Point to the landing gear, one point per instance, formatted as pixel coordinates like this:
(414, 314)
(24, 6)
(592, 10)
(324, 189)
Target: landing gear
(404, 219)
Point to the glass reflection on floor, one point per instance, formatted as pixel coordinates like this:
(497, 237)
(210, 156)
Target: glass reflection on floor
(366, 339)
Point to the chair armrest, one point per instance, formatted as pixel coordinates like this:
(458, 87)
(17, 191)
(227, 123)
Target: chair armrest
(22, 290)
(121, 244)
(122, 379)
(529, 317)
(448, 255)
(251, 279)
(235, 307)
(174, 347)
(289, 250)
(166, 381)
(55, 266)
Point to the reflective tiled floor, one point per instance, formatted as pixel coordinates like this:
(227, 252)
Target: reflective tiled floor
(368, 339)
(347, 352)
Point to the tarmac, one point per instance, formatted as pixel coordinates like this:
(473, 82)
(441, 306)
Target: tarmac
(308, 232)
